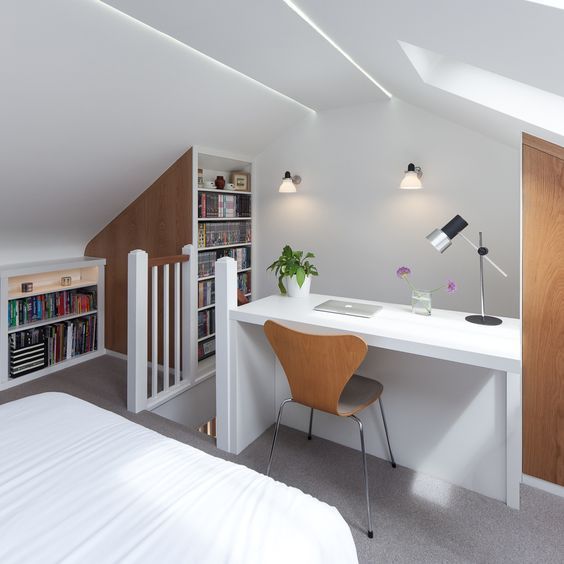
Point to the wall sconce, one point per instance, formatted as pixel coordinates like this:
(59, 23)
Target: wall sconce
(289, 183)
(412, 178)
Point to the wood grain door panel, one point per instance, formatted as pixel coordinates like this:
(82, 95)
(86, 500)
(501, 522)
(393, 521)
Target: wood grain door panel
(543, 311)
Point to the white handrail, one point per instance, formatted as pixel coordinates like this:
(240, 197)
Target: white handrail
(137, 299)
(184, 328)
(155, 331)
(177, 315)
(166, 327)
(190, 320)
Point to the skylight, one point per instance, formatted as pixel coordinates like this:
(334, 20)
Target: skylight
(516, 99)
(311, 23)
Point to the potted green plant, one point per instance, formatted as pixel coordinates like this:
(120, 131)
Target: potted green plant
(294, 269)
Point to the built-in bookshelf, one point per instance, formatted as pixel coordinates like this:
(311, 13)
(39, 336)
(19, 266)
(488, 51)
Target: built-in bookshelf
(224, 227)
(56, 322)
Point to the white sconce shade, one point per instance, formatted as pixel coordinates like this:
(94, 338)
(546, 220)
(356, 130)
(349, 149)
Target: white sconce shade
(412, 178)
(289, 182)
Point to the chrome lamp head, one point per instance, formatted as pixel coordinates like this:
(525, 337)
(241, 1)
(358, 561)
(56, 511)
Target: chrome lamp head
(441, 239)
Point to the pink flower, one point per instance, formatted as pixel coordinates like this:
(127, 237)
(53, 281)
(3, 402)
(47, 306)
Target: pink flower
(403, 271)
(451, 287)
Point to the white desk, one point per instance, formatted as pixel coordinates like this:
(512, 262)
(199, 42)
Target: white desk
(250, 383)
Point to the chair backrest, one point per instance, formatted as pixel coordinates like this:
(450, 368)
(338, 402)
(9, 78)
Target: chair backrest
(317, 366)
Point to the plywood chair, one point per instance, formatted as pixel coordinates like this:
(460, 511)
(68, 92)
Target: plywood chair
(241, 298)
(321, 373)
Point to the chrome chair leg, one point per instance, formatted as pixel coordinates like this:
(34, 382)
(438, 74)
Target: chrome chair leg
(370, 531)
(386, 429)
(276, 434)
(310, 424)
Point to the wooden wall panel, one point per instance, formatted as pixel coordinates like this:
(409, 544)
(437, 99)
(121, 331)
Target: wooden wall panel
(543, 310)
(159, 222)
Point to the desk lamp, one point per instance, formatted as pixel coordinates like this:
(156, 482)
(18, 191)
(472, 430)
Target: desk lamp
(441, 239)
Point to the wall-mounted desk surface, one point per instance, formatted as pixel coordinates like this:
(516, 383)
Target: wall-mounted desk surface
(250, 384)
(445, 335)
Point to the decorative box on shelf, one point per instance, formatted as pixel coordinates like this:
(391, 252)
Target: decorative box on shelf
(55, 323)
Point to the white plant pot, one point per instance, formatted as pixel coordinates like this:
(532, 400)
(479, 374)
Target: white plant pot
(294, 291)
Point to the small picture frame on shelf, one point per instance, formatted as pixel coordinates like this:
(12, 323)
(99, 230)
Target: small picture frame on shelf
(66, 280)
(241, 181)
(27, 287)
(200, 178)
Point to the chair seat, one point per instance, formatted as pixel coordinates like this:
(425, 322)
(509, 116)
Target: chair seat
(358, 393)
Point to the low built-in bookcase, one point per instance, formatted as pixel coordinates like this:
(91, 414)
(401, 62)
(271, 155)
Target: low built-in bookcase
(54, 325)
(223, 228)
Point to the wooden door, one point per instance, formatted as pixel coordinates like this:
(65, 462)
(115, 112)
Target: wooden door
(543, 310)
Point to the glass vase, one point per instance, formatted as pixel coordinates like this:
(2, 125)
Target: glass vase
(421, 302)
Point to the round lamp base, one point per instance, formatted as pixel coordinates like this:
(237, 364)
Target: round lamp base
(484, 320)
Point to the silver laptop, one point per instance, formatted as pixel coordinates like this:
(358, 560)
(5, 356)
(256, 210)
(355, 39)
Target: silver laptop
(358, 309)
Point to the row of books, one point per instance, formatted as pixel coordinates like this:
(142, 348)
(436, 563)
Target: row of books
(34, 349)
(206, 323)
(206, 348)
(49, 306)
(224, 233)
(206, 293)
(206, 289)
(206, 259)
(223, 205)
(244, 282)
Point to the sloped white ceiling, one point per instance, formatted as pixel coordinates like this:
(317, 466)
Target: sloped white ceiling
(517, 39)
(264, 39)
(95, 106)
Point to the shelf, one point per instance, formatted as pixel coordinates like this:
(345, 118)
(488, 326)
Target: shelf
(53, 368)
(225, 246)
(206, 337)
(213, 276)
(206, 367)
(213, 305)
(224, 191)
(207, 219)
(51, 321)
(51, 288)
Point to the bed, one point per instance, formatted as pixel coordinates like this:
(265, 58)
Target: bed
(80, 484)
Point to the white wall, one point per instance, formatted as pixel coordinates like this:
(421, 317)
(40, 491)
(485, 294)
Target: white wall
(349, 211)
(95, 107)
(445, 419)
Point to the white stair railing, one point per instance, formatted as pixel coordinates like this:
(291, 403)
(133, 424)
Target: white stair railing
(166, 381)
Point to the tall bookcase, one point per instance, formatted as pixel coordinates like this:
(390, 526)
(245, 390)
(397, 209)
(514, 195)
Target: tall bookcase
(53, 326)
(223, 226)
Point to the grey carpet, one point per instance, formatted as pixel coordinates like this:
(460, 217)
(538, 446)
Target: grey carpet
(416, 518)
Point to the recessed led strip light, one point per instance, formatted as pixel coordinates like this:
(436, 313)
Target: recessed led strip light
(549, 3)
(211, 59)
(311, 23)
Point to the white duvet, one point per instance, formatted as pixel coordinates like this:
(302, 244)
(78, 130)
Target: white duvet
(84, 485)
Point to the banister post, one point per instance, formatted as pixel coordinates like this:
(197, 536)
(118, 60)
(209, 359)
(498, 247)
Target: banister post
(190, 315)
(137, 320)
(225, 345)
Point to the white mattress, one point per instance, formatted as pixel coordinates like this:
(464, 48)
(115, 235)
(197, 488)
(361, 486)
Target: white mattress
(81, 484)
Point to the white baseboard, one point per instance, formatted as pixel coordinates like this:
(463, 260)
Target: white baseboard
(116, 354)
(543, 485)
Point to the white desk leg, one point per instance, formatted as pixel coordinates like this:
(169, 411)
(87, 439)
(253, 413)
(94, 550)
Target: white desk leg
(514, 442)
